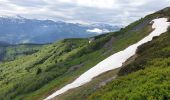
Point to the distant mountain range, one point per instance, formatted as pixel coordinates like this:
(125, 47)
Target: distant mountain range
(17, 29)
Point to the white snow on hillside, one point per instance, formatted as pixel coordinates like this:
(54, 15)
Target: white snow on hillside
(97, 30)
(114, 61)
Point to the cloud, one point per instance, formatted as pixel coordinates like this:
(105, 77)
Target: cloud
(83, 11)
(28, 3)
(93, 3)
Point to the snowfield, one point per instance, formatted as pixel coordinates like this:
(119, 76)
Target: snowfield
(98, 31)
(116, 60)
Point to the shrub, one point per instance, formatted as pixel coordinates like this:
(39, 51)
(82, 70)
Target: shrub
(169, 29)
(38, 71)
(168, 19)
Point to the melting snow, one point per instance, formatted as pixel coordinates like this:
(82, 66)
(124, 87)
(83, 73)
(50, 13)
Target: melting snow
(114, 61)
(97, 30)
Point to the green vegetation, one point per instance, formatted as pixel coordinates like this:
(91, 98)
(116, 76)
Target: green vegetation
(38, 74)
(148, 76)
(169, 29)
(148, 84)
(164, 12)
(83, 92)
(168, 19)
(11, 52)
(37, 69)
(156, 49)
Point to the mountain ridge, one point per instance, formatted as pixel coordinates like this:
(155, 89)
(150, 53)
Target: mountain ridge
(16, 30)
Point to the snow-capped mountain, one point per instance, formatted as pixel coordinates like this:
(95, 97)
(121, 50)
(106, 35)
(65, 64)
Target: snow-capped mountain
(22, 30)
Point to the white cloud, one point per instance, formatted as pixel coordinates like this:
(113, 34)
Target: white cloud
(110, 4)
(93, 3)
(84, 11)
(136, 3)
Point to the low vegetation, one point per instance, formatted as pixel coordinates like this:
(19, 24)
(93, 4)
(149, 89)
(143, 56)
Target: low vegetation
(148, 84)
(11, 52)
(169, 29)
(54, 65)
(38, 74)
(122, 39)
(168, 19)
(147, 77)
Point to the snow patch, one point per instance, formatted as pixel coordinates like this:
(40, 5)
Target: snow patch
(45, 26)
(116, 60)
(98, 31)
(25, 41)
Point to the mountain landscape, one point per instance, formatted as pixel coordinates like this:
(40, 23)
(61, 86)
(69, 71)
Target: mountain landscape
(16, 30)
(36, 71)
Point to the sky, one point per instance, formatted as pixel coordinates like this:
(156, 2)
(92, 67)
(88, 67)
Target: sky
(115, 12)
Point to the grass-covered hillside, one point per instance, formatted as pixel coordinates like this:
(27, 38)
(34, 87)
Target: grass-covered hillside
(148, 76)
(35, 76)
(10, 52)
(84, 91)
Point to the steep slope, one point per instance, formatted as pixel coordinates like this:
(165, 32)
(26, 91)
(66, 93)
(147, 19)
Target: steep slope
(147, 76)
(62, 62)
(37, 69)
(116, 60)
(84, 91)
(36, 76)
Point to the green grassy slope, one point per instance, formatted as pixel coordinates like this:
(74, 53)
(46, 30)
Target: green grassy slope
(84, 91)
(37, 69)
(35, 76)
(148, 75)
(122, 39)
(11, 52)
(96, 52)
